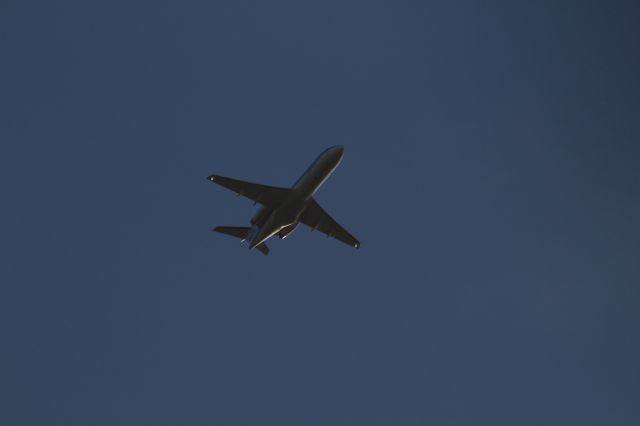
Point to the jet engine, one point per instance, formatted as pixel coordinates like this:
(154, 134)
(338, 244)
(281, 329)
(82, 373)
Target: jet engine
(284, 232)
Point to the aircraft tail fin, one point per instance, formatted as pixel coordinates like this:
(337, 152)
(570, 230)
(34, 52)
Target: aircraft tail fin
(262, 247)
(243, 233)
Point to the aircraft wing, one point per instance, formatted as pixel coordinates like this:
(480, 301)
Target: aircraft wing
(270, 196)
(316, 218)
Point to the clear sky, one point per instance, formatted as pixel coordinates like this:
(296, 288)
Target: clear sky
(491, 172)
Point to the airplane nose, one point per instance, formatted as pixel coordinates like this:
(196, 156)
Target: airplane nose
(337, 151)
(333, 154)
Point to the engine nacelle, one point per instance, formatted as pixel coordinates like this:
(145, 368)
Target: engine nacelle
(284, 232)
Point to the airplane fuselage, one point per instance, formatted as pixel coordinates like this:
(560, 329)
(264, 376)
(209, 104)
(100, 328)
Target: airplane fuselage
(285, 218)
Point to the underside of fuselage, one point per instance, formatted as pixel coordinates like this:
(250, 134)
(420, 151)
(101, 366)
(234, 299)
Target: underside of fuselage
(285, 218)
(281, 221)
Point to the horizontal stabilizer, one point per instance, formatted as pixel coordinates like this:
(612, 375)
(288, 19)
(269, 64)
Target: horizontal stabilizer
(243, 233)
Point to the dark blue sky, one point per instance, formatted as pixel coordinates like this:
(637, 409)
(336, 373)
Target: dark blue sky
(491, 173)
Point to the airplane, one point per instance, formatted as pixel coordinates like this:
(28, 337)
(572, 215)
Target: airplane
(283, 209)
